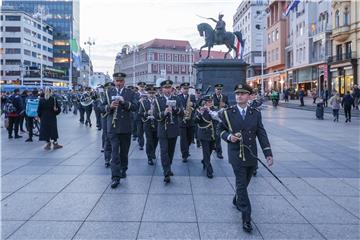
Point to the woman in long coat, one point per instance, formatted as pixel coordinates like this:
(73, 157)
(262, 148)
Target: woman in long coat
(48, 109)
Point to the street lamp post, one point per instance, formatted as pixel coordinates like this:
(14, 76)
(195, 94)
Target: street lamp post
(190, 51)
(134, 50)
(41, 13)
(90, 43)
(263, 28)
(22, 67)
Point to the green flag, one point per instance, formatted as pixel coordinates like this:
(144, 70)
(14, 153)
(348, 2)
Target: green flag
(74, 46)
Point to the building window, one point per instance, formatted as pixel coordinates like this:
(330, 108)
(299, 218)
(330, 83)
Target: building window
(176, 68)
(339, 52)
(346, 17)
(12, 29)
(12, 50)
(12, 61)
(337, 18)
(269, 39)
(154, 78)
(176, 79)
(276, 34)
(12, 73)
(12, 18)
(161, 57)
(61, 60)
(12, 40)
(168, 57)
(348, 50)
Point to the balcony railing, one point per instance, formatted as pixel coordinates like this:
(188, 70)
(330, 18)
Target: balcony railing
(342, 57)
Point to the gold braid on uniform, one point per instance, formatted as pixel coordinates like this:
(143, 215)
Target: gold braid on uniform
(210, 123)
(238, 135)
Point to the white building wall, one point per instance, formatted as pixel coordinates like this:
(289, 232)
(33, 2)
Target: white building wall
(30, 54)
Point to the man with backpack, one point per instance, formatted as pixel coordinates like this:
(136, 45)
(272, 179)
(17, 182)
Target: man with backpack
(13, 109)
(31, 107)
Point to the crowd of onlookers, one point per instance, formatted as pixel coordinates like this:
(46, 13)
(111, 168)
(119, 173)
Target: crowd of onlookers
(349, 101)
(32, 112)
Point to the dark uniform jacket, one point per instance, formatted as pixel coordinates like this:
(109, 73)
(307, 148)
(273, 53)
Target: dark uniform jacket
(206, 126)
(217, 100)
(145, 106)
(165, 128)
(250, 128)
(183, 100)
(124, 111)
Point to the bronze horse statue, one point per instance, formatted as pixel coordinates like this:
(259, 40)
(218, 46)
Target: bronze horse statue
(228, 40)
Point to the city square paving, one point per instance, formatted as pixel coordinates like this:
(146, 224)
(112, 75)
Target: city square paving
(65, 194)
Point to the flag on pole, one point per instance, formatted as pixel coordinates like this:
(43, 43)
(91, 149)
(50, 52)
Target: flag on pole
(291, 7)
(74, 48)
(238, 47)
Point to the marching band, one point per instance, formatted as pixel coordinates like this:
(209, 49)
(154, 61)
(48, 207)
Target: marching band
(165, 113)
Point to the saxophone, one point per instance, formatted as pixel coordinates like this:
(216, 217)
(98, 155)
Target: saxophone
(151, 116)
(188, 110)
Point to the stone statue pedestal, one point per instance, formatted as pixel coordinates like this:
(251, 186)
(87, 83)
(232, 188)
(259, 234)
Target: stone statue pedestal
(226, 71)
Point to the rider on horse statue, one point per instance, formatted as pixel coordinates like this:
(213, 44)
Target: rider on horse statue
(219, 29)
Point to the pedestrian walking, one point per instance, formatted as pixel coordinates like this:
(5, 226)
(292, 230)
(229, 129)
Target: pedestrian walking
(48, 109)
(347, 102)
(335, 102)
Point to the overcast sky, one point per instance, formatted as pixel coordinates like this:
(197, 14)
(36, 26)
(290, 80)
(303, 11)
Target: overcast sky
(113, 23)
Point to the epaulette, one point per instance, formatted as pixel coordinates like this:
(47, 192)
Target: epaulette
(230, 108)
(255, 109)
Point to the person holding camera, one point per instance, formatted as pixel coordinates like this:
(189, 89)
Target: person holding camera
(119, 104)
(167, 110)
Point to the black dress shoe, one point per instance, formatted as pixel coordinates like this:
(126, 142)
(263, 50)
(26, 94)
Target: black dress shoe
(18, 136)
(141, 148)
(171, 173)
(107, 164)
(134, 138)
(167, 179)
(219, 155)
(202, 161)
(102, 150)
(247, 226)
(209, 171)
(184, 160)
(10, 136)
(115, 183)
(28, 140)
(255, 173)
(150, 162)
